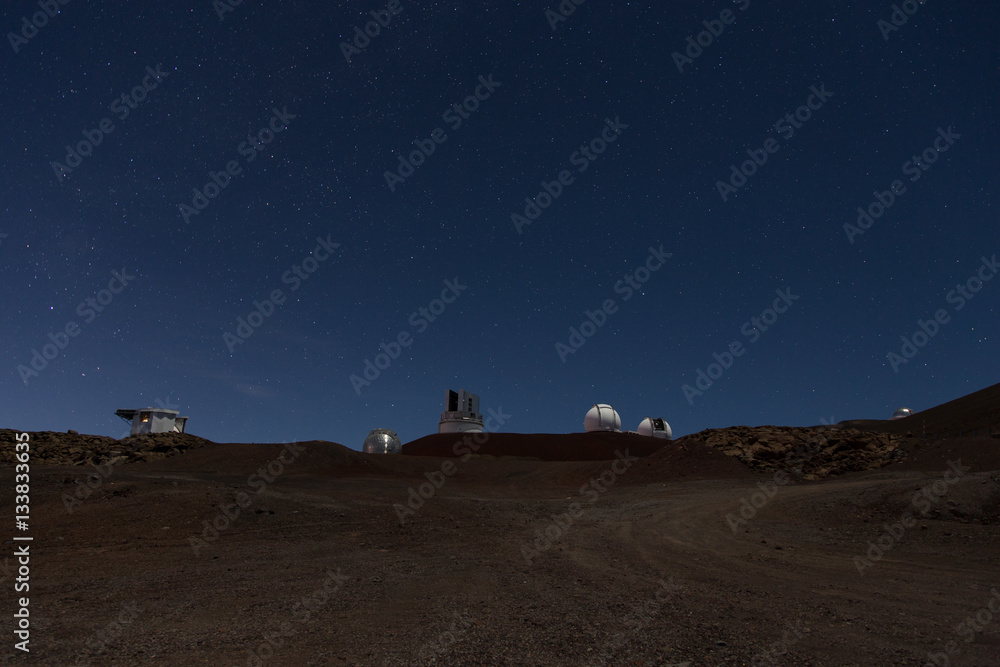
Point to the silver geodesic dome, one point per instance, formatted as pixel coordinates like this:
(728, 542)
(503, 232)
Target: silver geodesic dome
(382, 441)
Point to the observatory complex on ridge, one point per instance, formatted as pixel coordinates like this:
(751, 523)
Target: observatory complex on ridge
(461, 415)
(603, 417)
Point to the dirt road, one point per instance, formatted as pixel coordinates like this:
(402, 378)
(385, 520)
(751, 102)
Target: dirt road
(509, 562)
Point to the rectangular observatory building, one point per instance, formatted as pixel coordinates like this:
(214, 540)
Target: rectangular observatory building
(461, 413)
(153, 420)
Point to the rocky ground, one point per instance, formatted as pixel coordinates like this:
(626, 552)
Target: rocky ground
(74, 449)
(810, 453)
(683, 557)
(739, 546)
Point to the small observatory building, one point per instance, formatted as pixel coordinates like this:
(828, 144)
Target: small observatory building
(382, 441)
(901, 413)
(461, 413)
(153, 420)
(656, 428)
(602, 417)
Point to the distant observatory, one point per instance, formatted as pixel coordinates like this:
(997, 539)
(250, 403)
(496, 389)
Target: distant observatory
(602, 417)
(900, 413)
(382, 441)
(153, 420)
(461, 413)
(657, 428)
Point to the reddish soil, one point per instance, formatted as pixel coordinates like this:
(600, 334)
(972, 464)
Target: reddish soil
(977, 414)
(600, 446)
(470, 578)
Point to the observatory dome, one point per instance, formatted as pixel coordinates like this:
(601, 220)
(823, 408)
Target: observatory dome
(657, 428)
(901, 412)
(382, 441)
(602, 417)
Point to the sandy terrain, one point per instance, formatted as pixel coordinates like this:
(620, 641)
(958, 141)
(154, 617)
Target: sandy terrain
(687, 556)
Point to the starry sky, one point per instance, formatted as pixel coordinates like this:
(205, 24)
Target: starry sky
(230, 210)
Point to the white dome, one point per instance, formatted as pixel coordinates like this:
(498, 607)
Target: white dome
(602, 417)
(382, 441)
(657, 428)
(902, 412)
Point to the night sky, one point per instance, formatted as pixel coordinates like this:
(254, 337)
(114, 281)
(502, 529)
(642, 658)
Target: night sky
(507, 169)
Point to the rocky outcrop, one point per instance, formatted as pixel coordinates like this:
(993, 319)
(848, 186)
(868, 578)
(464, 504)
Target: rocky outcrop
(74, 449)
(810, 453)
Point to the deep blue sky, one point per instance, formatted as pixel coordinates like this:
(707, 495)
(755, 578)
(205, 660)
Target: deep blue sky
(161, 338)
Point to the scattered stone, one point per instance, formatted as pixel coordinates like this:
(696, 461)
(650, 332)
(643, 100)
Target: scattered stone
(810, 452)
(74, 449)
